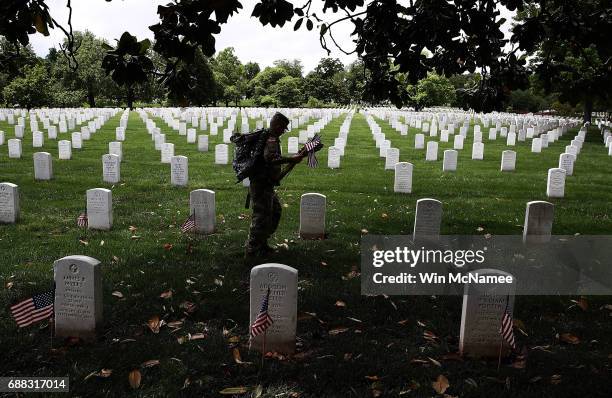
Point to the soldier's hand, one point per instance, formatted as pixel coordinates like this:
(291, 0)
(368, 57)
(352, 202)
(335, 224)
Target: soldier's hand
(297, 158)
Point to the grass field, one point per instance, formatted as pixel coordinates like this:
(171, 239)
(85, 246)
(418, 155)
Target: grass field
(379, 355)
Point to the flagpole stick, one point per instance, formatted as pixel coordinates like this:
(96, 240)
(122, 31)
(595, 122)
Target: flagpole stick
(263, 349)
(501, 344)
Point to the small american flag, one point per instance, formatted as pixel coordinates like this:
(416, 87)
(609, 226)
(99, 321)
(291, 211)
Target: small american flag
(506, 330)
(310, 147)
(33, 309)
(263, 320)
(189, 224)
(82, 220)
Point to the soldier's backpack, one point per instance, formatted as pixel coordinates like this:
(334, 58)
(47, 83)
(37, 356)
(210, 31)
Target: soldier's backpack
(248, 152)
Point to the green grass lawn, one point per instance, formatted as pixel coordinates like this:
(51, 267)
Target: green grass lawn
(381, 352)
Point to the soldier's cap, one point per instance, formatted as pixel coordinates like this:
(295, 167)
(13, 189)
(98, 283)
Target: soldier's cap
(279, 117)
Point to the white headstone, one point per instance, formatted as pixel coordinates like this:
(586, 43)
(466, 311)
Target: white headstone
(202, 206)
(282, 306)
(566, 162)
(538, 222)
(9, 203)
(78, 297)
(191, 136)
(37, 139)
(555, 186)
(77, 141)
(511, 140)
(333, 158)
(167, 152)
(43, 166)
(203, 143)
(458, 142)
(116, 148)
(100, 209)
(450, 160)
(492, 133)
(536, 145)
(312, 216)
(477, 151)
(419, 141)
(221, 154)
(14, 148)
(120, 134)
(179, 171)
(427, 220)
(481, 316)
(432, 151)
(508, 161)
(292, 145)
(111, 168)
(65, 149)
(403, 177)
(392, 158)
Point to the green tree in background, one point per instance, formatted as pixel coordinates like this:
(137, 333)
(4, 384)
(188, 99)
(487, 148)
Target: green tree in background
(230, 74)
(434, 90)
(29, 90)
(287, 92)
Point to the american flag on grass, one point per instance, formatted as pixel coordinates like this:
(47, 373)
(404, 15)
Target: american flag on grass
(310, 147)
(33, 309)
(506, 330)
(82, 220)
(189, 224)
(263, 320)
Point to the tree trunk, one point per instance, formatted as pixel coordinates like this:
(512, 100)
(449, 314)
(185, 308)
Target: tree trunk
(130, 97)
(588, 109)
(91, 99)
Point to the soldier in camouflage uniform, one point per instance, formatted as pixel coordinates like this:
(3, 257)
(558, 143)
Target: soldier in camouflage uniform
(266, 206)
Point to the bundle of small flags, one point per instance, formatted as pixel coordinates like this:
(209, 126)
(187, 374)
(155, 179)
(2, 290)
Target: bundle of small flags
(33, 309)
(263, 320)
(189, 224)
(311, 147)
(82, 220)
(506, 330)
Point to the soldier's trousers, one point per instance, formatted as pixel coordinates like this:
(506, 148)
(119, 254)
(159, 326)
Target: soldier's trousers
(266, 214)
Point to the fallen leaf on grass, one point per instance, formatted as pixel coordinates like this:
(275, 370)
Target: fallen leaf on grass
(555, 379)
(429, 336)
(233, 391)
(582, 303)
(150, 363)
(155, 323)
(134, 237)
(118, 294)
(434, 362)
(134, 378)
(103, 373)
(83, 242)
(168, 246)
(517, 323)
(132, 229)
(167, 294)
(188, 306)
(569, 338)
(340, 303)
(238, 357)
(9, 285)
(338, 330)
(441, 384)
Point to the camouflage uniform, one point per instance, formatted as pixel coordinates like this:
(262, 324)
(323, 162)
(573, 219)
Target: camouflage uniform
(266, 206)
